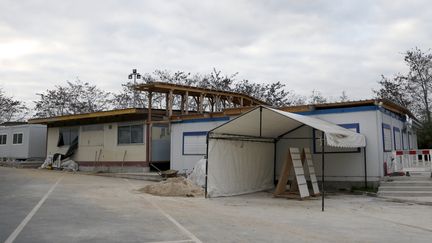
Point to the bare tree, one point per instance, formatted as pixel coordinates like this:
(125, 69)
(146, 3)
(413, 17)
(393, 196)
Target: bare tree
(11, 109)
(74, 98)
(316, 98)
(411, 90)
(343, 97)
(272, 93)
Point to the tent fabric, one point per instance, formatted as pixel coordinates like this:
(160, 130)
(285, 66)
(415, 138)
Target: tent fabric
(239, 167)
(271, 123)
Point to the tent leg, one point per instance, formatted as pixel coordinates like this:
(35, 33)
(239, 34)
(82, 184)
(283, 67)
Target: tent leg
(274, 162)
(206, 173)
(322, 173)
(365, 168)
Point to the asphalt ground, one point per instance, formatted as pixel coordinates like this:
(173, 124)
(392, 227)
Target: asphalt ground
(49, 206)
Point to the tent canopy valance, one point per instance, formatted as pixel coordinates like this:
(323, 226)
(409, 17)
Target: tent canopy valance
(266, 122)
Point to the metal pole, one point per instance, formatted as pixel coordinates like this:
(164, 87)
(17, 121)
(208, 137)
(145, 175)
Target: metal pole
(274, 162)
(135, 92)
(322, 172)
(260, 131)
(206, 173)
(365, 168)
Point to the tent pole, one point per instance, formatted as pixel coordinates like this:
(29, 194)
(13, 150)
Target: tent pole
(322, 172)
(260, 121)
(365, 167)
(274, 162)
(206, 173)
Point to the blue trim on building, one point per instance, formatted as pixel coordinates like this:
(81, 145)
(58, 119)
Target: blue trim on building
(347, 126)
(385, 126)
(351, 126)
(340, 110)
(195, 133)
(213, 119)
(396, 129)
(353, 109)
(199, 133)
(392, 114)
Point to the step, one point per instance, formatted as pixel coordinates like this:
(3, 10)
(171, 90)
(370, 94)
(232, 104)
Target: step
(404, 188)
(405, 194)
(147, 176)
(408, 178)
(407, 183)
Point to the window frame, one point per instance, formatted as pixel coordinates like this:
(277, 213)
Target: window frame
(5, 140)
(194, 133)
(130, 134)
(387, 126)
(327, 149)
(17, 138)
(69, 129)
(397, 130)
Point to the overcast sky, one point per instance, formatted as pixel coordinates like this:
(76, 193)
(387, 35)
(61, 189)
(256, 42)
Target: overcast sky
(329, 46)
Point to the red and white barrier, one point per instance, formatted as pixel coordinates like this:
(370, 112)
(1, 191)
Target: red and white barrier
(410, 161)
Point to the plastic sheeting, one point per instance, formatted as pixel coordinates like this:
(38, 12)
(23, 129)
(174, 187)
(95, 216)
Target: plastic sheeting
(239, 167)
(198, 173)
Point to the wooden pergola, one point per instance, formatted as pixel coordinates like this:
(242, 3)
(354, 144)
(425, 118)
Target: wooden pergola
(216, 99)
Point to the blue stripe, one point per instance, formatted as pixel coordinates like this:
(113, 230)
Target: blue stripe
(340, 110)
(352, 109)
(200, 133)
(196, 133)
(351, 125)
(225, 118)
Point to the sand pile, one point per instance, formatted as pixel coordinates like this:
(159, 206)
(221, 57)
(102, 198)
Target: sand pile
(178, 186)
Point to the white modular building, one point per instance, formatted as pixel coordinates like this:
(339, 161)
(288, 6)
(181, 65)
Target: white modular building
(188, 141)
(385, 125)
(110, 141)
(23, 142)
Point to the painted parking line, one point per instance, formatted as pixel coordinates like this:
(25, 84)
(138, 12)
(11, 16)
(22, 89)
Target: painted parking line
(175, 241)
(183, 229)
(29, 216)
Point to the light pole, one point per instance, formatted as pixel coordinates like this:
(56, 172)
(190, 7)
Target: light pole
(135, 75)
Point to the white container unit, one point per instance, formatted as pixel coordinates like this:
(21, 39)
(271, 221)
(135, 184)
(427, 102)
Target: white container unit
(188, 141)
(22, 142)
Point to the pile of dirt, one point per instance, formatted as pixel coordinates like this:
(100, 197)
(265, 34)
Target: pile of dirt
(177, 187)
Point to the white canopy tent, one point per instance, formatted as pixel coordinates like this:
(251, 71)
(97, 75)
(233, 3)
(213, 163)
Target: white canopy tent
(241, 153)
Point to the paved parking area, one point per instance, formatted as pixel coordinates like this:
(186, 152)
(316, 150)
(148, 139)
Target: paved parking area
(47, 206)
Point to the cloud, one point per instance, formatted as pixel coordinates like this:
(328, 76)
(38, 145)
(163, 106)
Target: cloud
(329, 46)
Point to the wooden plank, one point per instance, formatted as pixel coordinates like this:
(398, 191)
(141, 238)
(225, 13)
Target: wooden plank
(299, 173)
(307, 157)
(299, 185)
(283, 177)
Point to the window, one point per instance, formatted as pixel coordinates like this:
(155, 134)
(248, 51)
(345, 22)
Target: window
(387, 137)
(131, 134)
(405, 140)
(67, 135)
(3, 139)
(410, 145)
(355, 127)
(397, 138)
(194, 143)
(17, 138)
